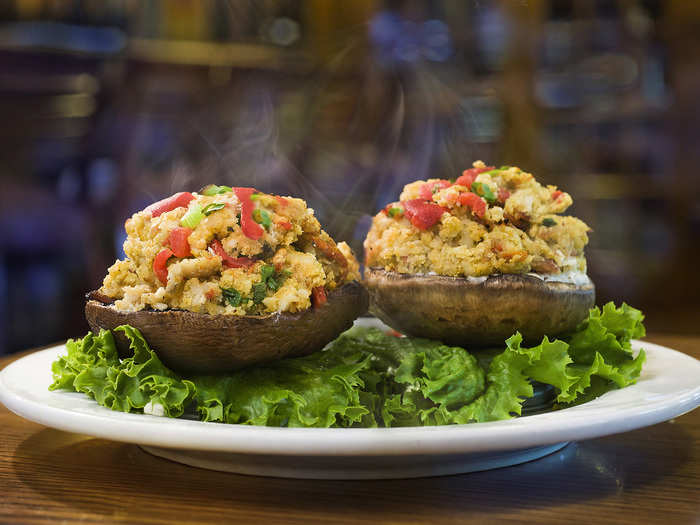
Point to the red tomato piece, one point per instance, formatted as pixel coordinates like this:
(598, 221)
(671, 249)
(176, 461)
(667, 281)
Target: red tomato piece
(159, 264)
(250, 228)
(469, 175)
(503, 194)
(179, 200)
(422, 214)
(556, 194)
(318, 296)
(282, 201)
(286, 225)
(429, 188)
(178, 242)
(227, 260)
(475, 203)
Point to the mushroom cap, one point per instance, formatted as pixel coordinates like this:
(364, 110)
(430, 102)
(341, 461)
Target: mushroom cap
(463, 312)
(200, 343)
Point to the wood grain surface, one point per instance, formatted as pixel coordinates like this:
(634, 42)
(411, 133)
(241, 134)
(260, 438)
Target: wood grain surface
(651, 475)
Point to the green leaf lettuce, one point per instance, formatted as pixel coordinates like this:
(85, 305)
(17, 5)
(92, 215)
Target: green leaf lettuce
(365, 377)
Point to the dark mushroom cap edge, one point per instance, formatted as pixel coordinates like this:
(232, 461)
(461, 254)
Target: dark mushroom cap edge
(189, 342)
(475, 313)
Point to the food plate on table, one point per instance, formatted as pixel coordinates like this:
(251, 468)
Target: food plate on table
(668, 387)
(230, 316)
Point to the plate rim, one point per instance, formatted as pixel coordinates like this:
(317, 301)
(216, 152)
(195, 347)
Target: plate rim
(541, 429)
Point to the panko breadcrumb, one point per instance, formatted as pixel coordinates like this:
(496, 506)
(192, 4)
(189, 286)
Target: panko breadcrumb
(209, 253)
(488, 221)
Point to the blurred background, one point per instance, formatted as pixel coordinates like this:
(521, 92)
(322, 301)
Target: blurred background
(108, 105)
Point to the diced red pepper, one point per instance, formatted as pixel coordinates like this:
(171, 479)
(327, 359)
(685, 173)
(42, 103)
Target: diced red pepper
(282, 201)
(394, 333)
(159, 264)
(227, 260)
(469, 175)
(475, 203)
(556, 194)
(503, 194)
(250, 228)
(179, 200)
(178, 241)
(318, 296)
(286, 225)
(429, 188)
(422, 214)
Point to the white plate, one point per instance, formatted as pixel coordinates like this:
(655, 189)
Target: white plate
(669, 386)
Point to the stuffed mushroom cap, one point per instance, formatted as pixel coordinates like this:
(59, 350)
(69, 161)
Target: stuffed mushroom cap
(478, 312)
(471, 261)
(211, 344)
(229, 277)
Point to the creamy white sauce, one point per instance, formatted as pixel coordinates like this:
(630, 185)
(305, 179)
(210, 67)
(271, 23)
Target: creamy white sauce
(576, 277)
(572, 277)
(470, 278)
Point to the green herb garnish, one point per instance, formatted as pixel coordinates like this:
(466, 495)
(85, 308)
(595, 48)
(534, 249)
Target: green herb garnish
(262, 217)
(255, 196)
(211, 208)
(213, 189)
(232, 296)
(273, 284)
(272, 278)
(269, 279)
(266, 272)
(259, 292)
(483, 190)
(548, 222)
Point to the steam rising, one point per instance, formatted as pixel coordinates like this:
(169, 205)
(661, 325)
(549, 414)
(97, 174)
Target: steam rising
(346, 149)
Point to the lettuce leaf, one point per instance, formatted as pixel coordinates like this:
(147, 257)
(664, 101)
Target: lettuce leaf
(92, 366)
(366, 378)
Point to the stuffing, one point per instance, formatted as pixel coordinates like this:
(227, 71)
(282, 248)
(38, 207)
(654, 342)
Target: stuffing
(233, 251)
(487, 221)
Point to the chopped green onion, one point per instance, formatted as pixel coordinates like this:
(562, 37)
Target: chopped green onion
(262, 217)
(193, 216)
(393, 212)
(213, 189)
(484, 191)
(255, 196)
(211, 208)
(548, 222)
(504, 168)
(232, 296)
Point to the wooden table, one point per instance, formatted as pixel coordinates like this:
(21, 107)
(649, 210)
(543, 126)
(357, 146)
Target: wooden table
(650, 475)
